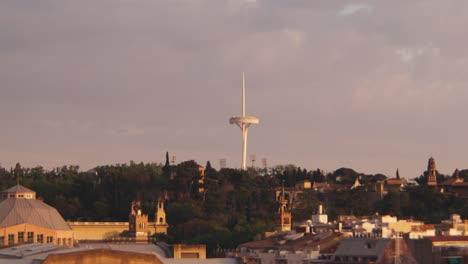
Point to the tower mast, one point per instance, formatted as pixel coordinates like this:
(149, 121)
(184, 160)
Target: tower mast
(244, 122)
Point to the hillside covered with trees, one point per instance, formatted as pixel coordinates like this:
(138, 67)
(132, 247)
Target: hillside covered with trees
(234, 206)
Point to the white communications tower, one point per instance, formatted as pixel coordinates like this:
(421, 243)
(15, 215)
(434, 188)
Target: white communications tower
(244, 123)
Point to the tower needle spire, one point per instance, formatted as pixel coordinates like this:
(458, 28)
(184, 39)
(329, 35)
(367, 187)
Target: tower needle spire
(243, 94)
(244, 123)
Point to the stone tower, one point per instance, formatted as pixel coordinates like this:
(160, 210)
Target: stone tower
(283, 216)
(431, 172)
(160, 218)
(137, 222)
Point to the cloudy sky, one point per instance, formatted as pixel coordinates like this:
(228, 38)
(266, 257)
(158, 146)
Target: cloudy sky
(371, 85)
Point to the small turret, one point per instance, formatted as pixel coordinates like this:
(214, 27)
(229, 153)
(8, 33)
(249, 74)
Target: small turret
(160, 218)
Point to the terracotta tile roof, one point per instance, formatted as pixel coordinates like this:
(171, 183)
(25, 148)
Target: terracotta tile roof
(460, 184)
(393, 182)
(447, 238)
(30, 211)
(320, 185)
(271, 242)
(323, 240)
(451, 181)
(422, 228)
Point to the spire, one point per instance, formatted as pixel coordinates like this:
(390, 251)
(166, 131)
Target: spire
(243, 94)
(397, 174)
(166, 165)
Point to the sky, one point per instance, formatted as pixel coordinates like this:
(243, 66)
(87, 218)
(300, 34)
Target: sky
(369, 85)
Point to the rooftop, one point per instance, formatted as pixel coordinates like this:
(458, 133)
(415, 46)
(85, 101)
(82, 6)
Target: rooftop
(448, 238)
(363, 247)
(18, 189)
(30, 211)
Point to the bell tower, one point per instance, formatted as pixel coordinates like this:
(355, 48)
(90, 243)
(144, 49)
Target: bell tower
(160, 218)
(283, 216)
(138, 222)
(431, 172)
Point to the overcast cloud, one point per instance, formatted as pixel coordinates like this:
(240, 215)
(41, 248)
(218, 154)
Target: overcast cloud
(371, 85)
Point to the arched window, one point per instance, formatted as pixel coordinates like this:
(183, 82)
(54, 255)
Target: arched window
(161, 220)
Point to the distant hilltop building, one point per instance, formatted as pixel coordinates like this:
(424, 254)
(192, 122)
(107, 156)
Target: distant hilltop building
(431, 172)
(24, 219)
(454, 184)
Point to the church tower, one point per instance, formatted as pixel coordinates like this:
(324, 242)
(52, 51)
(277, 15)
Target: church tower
(160, 218)
(138, 222)
(283, 216)
(431, 172)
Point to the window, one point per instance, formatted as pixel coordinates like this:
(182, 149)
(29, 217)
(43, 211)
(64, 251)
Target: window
(59, 241)
(12, 196)
(20, 195)
(11, 239)
(40, 238)
(2, 240)
(69, 241)
(20, 237)
(50, 239)
(30, 237)
(161, 220)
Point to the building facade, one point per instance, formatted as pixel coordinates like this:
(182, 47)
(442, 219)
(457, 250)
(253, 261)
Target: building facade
(24, 219)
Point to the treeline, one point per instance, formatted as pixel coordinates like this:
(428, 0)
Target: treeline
(228, 206)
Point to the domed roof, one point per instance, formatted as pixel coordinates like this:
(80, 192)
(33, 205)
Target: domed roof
(18, 188)
(30, 211)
